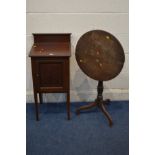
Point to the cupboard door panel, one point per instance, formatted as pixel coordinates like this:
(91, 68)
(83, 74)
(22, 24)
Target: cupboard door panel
(51, 74)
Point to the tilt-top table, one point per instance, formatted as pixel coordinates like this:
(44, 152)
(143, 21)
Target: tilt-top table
(101, 57)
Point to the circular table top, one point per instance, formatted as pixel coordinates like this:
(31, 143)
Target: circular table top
(100, 55)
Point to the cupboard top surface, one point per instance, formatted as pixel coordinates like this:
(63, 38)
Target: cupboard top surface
(51, 45)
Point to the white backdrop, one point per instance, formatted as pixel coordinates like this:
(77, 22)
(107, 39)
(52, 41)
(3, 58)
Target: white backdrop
(78, 17)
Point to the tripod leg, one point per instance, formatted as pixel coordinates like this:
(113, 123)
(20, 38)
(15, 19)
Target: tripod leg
(91, 105)
(102, 107)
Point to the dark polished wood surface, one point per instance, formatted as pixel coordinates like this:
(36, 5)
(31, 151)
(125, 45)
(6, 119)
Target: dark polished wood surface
(50, 50)
(100, 55)
(50, 66)
(51, 45)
